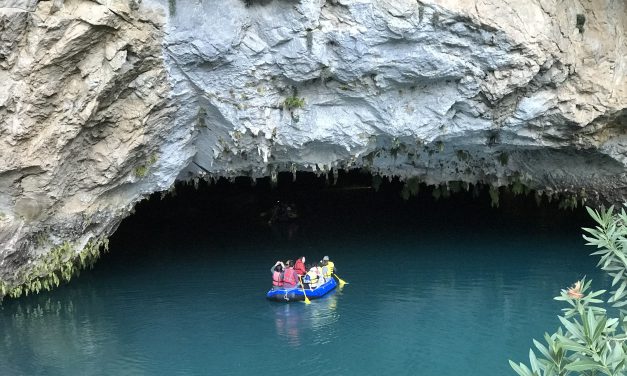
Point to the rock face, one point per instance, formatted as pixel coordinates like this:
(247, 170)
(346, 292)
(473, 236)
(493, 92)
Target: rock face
(103, 102)
(86, 129)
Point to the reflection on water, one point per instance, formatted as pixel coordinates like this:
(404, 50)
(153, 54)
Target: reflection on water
(55, 334)
(318, 318)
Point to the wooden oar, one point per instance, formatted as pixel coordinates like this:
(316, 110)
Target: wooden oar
(303, 287)
(342, 282)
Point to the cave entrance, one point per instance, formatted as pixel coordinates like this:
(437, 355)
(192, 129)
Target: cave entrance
(228, 221)
(350, 203)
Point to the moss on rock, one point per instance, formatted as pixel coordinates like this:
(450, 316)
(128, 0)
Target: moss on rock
(57, 266)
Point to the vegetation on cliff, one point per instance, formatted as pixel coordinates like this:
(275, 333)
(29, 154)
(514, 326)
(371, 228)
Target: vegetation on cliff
(59, 265)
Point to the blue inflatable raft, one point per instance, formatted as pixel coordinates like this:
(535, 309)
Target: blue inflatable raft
(296, 294)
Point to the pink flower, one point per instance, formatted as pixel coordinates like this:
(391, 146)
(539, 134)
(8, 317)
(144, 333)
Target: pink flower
(575, 291)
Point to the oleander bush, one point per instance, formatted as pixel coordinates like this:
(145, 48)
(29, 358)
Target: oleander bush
(590, 342)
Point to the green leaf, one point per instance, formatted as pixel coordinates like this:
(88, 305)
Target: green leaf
(617, 278)
(543, 350)
(573, 328)
(521, 369)
(589, 323)
(535, 367)
(569, 344)
(600, 327)
(584, 364)
(619, 293)
(594, 214)
(616, 354)
(595, 293)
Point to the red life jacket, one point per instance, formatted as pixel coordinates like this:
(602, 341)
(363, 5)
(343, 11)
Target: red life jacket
(299, 267)
(289, 277)
(276, 279)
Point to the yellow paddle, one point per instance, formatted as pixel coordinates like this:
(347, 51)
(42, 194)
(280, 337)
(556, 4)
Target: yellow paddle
(303, 287)
(340, 280)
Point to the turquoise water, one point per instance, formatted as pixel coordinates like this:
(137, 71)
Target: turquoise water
(448, 288)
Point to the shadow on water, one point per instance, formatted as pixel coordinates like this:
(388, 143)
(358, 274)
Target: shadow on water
(443, 287)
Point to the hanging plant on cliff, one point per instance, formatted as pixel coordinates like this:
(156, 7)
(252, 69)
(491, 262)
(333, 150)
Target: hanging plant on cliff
(293, 102)
(589, 342)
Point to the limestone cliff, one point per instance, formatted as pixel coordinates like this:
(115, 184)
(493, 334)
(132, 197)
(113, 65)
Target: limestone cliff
(103, 102)
(86, 129)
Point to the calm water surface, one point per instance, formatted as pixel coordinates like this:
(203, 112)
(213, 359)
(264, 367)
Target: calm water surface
(429, 294)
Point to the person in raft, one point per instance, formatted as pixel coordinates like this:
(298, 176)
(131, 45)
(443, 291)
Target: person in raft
(299, 267)
(328, 267)
(277, 275)
(313, 277)
(290, 278)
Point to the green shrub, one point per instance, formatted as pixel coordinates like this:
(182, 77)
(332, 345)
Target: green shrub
(589, 342)
(141, 171)
(294, 102)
